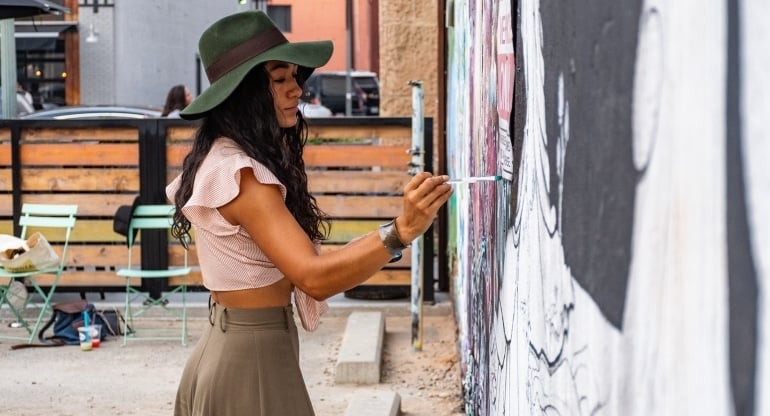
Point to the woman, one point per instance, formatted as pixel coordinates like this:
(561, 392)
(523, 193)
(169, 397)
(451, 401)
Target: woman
(244, 191)
(177, 99)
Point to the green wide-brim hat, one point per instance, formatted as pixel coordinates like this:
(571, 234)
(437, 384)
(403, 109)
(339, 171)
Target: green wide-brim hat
(234, 45)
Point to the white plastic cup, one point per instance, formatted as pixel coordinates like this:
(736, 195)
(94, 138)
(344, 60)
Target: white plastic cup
(85, 338)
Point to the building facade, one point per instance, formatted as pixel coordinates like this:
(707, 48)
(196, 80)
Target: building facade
(132, 52)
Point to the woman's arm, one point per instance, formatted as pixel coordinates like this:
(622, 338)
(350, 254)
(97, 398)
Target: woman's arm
(260, 209)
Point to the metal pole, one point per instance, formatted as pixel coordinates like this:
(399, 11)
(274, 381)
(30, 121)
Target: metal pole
(348, 57)
(8, 70)
(197, 75)
(417, 164)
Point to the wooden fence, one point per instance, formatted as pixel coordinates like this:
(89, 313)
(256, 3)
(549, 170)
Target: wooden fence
(356, 167)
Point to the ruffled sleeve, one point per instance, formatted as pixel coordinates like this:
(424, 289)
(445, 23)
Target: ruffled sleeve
(218, 182)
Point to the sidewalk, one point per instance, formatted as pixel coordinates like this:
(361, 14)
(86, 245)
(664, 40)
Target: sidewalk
(141, 378)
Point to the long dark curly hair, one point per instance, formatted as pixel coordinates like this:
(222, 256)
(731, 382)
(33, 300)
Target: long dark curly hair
(248, 117)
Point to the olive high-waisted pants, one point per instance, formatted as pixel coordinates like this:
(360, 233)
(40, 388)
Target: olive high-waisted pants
(245, 364)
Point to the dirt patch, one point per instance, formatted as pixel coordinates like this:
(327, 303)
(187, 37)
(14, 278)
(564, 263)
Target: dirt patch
(141, 378)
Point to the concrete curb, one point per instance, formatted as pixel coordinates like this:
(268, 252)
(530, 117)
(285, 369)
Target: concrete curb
(374, 403)
(360, 356)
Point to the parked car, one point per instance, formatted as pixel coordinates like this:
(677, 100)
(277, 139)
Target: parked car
(93, 112)
(330, 88)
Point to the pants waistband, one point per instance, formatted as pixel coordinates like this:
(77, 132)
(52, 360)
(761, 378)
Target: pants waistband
(280, 317)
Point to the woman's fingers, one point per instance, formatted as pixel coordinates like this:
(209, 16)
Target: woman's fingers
(423, 197)
(416, 181)
(423, 184)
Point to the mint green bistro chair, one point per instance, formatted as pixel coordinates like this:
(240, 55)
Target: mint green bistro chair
(50, 220)
(152, 217)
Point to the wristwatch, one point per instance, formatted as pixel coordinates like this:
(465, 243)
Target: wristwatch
(389, 236)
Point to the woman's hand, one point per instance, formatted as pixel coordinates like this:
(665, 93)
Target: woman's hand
(423, 196)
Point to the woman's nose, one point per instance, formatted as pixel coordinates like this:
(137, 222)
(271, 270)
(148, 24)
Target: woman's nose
(296, 89)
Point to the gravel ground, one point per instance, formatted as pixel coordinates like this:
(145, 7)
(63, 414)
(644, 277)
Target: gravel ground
(141, 378)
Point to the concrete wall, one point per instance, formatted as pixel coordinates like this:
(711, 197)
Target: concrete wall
(408, 37)
(145, 47)
(623, 269)
(97, 60)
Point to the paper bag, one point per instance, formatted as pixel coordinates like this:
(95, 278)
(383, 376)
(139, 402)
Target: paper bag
(17, 255)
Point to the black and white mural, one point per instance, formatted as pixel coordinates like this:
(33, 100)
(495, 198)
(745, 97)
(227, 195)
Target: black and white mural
(622, 265)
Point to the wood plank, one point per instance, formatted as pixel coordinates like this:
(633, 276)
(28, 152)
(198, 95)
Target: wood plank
(364, 182)
(84, 278)
(85, 231)
(193, 279)
(181, 133)
(80, 179)
(176, 255)
(175, 154)
(79, 154)
(101, 256)
(344, 156)
(5, 154)
(343, 206)
(6, 178)
(5, 135)
(89, 205)
(393, 277)
(6, 205)
(80, 134)
(368, 132)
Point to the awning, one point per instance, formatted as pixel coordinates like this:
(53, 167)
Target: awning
(40, 35)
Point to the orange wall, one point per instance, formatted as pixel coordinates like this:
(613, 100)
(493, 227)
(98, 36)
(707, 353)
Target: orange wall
(325, 19)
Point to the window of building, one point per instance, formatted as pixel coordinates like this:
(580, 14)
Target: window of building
(42, 73)
(281, 15)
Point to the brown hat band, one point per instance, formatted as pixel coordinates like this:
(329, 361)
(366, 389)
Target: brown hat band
(250, 48)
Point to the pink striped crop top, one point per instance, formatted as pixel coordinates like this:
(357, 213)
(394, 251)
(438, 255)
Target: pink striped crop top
(229, 259)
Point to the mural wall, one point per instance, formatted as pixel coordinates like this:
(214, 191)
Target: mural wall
(621, 266)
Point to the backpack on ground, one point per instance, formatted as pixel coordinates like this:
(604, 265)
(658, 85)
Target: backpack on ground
(67, 317)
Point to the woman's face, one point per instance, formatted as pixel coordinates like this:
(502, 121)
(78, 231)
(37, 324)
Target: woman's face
(187, 97)
(286, 91)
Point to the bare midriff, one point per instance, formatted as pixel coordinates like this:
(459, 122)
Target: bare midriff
(277, 294)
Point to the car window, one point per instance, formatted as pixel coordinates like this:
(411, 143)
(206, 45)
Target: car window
(366, 82)
(333, 85)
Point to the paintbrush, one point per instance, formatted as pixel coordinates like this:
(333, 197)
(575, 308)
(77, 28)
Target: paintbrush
(474, 179)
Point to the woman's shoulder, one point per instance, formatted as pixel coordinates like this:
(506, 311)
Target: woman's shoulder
(221, 170)
(228, 155)
(225, 148)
